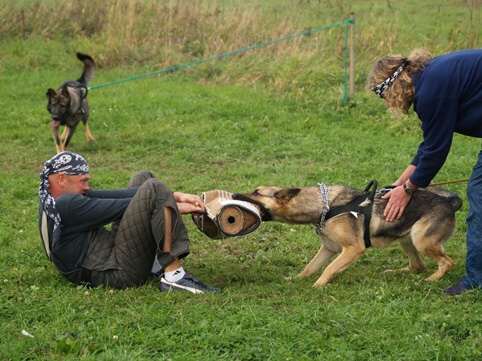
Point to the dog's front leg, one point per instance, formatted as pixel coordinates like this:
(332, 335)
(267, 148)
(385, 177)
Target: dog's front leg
(58, 143)
(67, 135)
(64, 135)
(321, 258)
(347, 256)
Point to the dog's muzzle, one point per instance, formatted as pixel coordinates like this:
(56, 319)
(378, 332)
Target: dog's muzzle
(225, 216)
(264, 212)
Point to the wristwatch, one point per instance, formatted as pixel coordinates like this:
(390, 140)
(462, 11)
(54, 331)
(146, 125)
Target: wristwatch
(407, 189)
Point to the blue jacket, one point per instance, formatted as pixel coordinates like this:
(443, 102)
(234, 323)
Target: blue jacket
(447, 99)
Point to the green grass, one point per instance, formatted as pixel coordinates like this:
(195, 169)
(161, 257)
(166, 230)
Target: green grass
(207, 127)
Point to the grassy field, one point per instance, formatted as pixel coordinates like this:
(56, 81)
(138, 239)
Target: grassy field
(267, 117)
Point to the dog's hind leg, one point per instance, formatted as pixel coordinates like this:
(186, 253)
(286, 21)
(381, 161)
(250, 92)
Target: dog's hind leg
(436, 251)
(415, 261)
(445, 264)
(88, 134)
(430, 244)
(321, 258)
(348, 255)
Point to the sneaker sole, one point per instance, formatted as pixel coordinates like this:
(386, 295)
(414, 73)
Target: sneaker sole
(176, 287)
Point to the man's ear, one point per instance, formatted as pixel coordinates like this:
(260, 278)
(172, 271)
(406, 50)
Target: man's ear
(58, 180)
(62, 179)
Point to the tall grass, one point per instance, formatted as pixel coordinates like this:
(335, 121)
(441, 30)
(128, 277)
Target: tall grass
(152, 35)
(166, 32)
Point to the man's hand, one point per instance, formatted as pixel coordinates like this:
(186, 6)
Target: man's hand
(188, 203)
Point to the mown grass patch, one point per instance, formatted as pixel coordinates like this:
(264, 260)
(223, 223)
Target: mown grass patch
(232, 125)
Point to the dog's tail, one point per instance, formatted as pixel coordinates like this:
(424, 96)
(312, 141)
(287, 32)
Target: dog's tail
(454, 200)
(89, 68)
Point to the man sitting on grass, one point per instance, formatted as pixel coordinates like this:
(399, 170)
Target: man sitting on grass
(147, 232)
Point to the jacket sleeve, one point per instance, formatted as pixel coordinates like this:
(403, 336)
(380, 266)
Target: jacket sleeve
(438, 118)
(82, 213)
(112, 194)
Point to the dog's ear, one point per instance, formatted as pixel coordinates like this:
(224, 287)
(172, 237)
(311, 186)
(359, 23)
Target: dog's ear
(65, 91)
(50, 93)
(286, 194)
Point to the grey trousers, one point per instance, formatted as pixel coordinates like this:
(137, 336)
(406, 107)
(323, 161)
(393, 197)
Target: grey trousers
(122, 257)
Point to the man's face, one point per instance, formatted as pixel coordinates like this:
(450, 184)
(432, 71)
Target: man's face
(77, 184)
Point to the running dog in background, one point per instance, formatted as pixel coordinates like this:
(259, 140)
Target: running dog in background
(428, 221)
(68, 105)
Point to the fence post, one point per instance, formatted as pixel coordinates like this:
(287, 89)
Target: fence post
(352, 54)
(23, 25)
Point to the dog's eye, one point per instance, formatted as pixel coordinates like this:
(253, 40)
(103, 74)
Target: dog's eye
(256, 193)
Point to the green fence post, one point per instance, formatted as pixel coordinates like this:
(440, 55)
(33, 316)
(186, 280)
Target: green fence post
(352, 54)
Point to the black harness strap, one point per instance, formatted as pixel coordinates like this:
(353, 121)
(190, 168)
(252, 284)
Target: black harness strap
(83, 91)
(354, 206)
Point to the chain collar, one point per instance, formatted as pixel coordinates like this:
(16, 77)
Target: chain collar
(324, 198)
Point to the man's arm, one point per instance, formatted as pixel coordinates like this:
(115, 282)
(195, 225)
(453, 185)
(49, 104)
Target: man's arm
(82, 213)
(112, 194)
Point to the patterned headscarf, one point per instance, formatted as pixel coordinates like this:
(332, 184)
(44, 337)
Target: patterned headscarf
(64, 162)
(381, 88)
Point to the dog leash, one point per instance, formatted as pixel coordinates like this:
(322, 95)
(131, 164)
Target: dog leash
(448, 182)
(326, 208)
(387, 189)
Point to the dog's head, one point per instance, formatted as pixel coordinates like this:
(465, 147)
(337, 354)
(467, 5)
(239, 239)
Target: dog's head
(58, 105)
(63, 102)
(272, 201)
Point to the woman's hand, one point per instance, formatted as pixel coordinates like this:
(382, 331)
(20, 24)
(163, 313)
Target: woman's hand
(397, 202)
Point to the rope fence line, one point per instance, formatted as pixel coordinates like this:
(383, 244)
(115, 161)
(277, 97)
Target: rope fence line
(347, 24)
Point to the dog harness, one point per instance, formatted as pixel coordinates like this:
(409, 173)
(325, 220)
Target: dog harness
(355, 207)
(83, 90)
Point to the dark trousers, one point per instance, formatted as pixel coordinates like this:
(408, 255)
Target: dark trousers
(473, 265)
(123, 256)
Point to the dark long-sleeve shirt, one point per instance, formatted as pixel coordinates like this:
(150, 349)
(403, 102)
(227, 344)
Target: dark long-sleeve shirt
(448, 99)
(81, 214)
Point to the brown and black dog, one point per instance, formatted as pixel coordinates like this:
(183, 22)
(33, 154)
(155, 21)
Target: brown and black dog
(68, 105)
(427, 222)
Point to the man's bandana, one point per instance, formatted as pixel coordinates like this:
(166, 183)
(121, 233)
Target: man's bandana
(381, 88)
(67, 163)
